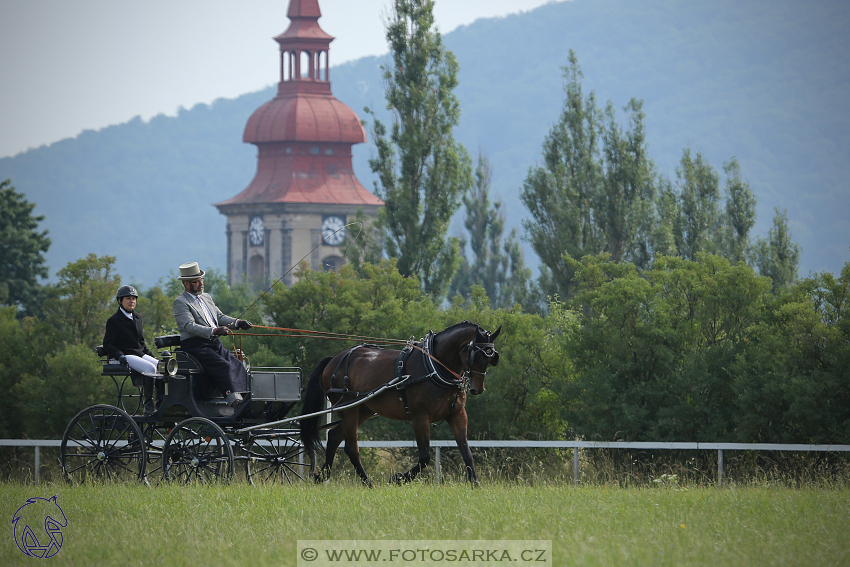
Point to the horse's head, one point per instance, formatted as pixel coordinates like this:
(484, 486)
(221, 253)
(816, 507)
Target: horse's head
(477, 356)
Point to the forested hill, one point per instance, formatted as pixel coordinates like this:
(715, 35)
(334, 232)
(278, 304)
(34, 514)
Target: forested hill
(767, 81)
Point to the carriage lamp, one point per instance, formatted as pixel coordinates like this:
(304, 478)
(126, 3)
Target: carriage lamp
(167, 366)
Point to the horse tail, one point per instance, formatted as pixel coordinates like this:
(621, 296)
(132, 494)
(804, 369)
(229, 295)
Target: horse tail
(314, 400)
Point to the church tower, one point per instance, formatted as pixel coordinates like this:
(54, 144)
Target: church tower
(305, 187)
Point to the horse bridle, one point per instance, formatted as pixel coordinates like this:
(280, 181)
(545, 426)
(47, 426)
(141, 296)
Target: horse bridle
(473, 348)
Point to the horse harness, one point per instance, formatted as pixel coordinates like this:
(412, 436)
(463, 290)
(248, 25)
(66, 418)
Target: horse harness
(434, 373)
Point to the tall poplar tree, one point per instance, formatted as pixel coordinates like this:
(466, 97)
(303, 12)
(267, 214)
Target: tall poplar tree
(777, 256)
(497, 265)
(594, 191)
(700, 217)
(740, 213)
(422, 172)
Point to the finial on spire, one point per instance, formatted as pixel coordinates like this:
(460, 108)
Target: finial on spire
(304, 9)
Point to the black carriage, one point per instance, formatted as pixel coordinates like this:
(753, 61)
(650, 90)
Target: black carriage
(193, 435)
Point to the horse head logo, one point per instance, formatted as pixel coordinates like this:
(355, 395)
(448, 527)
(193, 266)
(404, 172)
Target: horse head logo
(38, 527)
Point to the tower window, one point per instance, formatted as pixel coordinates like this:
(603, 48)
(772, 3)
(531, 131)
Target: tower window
(329, 151)
(314, 150)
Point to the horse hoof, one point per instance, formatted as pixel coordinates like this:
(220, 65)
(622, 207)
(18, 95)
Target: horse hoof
(399, 479)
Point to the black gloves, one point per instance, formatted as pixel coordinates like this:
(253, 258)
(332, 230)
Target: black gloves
(221, 331)
(122, 360)
(243, 324)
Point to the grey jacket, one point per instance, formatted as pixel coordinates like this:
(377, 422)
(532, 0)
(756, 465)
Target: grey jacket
(191, 320)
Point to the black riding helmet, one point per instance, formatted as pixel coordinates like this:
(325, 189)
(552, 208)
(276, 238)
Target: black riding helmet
(126, 291)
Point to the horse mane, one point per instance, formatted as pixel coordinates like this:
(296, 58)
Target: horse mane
(450, 327)
(479, 330)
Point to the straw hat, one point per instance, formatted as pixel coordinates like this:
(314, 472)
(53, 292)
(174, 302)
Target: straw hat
(190, 271)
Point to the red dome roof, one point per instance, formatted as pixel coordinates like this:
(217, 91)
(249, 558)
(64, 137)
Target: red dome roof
(289, 178)
(304, 118)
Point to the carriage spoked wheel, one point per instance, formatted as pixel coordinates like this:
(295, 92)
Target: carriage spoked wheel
(274, 459)
(197, 450)
(104, 443)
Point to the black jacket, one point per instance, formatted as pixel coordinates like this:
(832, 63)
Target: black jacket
(124, 336)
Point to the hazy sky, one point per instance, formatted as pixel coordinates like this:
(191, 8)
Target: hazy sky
(69, 65)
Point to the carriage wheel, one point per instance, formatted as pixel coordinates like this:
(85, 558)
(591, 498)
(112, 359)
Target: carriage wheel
(274, 460)
(104, 443)
(197, 450)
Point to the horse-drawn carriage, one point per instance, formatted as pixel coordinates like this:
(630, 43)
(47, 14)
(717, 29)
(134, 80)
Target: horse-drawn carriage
(195, 436)
(193, 433)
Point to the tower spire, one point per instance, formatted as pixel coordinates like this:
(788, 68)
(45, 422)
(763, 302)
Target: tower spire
(304, 48)
(304, 185)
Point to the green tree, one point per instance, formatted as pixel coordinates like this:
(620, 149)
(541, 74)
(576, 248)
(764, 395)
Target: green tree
(68, 381)
(21, 248)
(380, 303)
(777, 256)
(700, 218)
(666, 235)
(740, 214)
(20, 354)
(559, 192)
(793, 378)
(83, 299)
(652, 350)
(497, 265)
(624, 210)
(421, 170)
(157, 313)
(594, 191)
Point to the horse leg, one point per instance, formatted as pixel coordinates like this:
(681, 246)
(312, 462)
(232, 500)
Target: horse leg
(422, 432)
(458, 422)
(334, 440)
(351, 447)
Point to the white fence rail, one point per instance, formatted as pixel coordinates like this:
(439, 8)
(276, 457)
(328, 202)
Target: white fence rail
(576, 446)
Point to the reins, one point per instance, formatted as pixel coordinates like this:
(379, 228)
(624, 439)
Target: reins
(305, 333)
(462, 379)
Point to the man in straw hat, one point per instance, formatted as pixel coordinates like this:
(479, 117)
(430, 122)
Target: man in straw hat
(200, 324)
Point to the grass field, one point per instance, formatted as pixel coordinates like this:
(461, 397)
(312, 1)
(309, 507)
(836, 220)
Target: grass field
(260, 525)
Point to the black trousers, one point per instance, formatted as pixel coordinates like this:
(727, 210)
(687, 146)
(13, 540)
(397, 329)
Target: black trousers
(220, 365)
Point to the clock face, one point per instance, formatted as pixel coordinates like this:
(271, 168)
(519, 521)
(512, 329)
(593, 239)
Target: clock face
(331, 233)
(256, 231)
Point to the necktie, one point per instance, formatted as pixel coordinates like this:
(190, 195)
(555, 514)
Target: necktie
(206, 312)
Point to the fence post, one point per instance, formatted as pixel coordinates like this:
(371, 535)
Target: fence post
(37, 463)
(720, 468)
(575, 466)
(437, 465)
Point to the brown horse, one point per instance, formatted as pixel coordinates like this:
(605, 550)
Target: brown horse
(430, 382)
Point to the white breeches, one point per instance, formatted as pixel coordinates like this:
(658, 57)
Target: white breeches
(145, 363)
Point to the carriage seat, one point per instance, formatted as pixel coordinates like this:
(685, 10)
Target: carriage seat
(109, 368)
(166, 341)
(189, 366)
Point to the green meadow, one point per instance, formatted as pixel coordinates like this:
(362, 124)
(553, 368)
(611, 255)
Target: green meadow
(238, 524)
